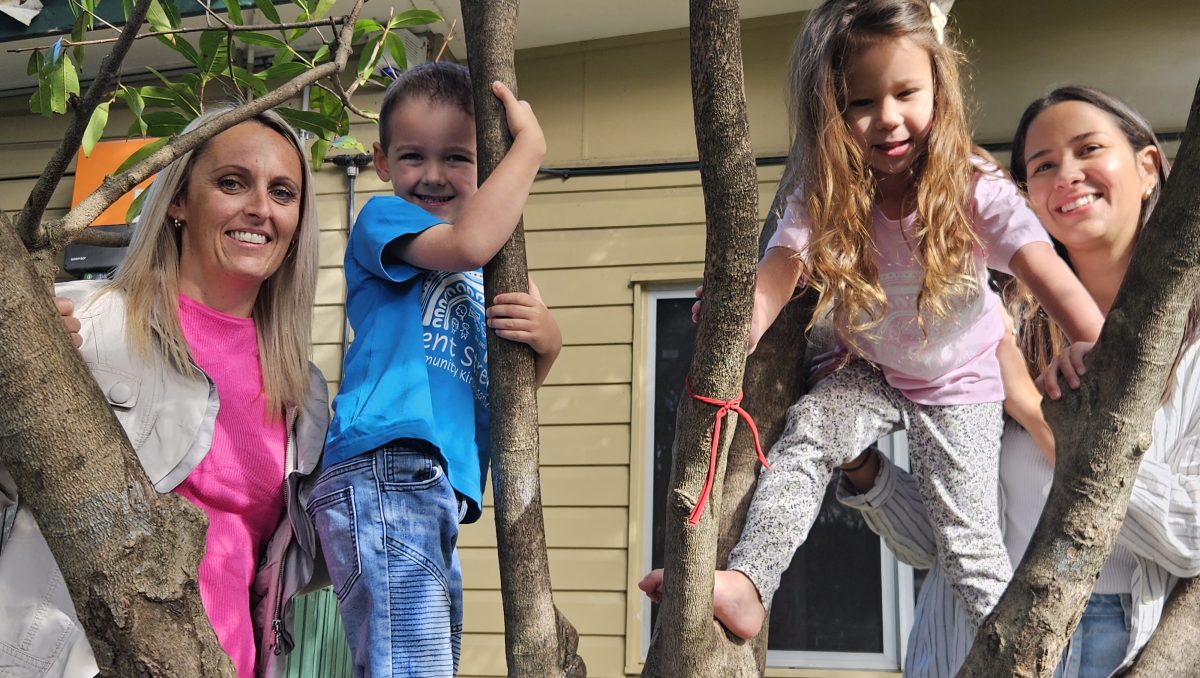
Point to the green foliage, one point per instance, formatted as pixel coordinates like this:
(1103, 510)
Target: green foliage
(218, 59)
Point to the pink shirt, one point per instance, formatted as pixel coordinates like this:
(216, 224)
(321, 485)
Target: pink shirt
(239, 483)
(956, 364)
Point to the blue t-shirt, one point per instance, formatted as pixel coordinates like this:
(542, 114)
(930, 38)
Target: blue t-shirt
(418, 365)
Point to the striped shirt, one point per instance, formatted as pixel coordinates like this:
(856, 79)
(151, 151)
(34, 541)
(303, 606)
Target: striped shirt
(1161, 531)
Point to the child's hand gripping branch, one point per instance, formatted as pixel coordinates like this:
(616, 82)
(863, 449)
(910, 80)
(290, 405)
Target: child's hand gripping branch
(523, 317)
(775, 285)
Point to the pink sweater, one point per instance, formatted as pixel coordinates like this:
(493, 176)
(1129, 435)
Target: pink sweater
(239, 484)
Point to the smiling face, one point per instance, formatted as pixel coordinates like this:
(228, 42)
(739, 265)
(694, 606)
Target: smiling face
(1084, 180)
(430, 161)
(239, 211)
(889, 103)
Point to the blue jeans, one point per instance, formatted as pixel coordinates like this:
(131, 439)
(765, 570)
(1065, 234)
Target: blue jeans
(1098, 645)
(388, 524)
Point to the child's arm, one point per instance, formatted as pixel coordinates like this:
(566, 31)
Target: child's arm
(775, 285)
(1022, 400)
(489, 217)
(1058, 290)
(517, 316)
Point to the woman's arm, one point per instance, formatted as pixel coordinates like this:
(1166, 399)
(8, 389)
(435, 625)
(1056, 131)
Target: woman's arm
(1022, 400)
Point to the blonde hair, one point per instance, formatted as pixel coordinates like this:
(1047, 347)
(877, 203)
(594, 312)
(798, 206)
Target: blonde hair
(837, 181)
(148, 279)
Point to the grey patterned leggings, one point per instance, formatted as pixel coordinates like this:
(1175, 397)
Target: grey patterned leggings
(954, 452)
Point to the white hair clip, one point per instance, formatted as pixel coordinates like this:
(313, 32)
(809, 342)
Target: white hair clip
(939, 21)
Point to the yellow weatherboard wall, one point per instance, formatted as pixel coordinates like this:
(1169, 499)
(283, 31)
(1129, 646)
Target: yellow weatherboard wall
(627, 100)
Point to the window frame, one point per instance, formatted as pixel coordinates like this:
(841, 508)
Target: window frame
(897, 595)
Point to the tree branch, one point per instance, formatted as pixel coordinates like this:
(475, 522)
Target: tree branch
(30, 219)
(1102, 430)
(113, 187)
(98, 238)
(329, 21)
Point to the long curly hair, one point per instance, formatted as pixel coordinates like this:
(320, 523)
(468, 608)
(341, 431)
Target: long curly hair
(837, 181)
(1040, 338)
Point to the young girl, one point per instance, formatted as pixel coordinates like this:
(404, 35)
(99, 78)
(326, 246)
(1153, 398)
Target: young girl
(894, 222)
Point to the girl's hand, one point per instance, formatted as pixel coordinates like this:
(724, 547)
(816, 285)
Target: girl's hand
(696, 306)
(1069, 365)
(652, 585)
(824, 364)
(66, 311)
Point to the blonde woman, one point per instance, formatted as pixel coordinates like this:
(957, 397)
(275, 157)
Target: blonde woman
(201, 344)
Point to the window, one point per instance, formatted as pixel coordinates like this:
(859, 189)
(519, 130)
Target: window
(845, 602)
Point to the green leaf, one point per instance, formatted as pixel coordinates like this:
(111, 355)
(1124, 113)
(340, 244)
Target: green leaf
(235, 12)
(181, 46)
(40, 101)
(165, 123)
(142, 153)
(95, 128)
(283, 71)
(366, 64)
(260, 39)
(214, 52)
(133, 99)
(321, 8)
(364, 26)
(135, 207)
(157, 17)
(414, 17)
(321, 54)
(156, 97)
(246, 79)
(395, 46)
(285, 55)
(77, 33)
(164, 79)
(64, 82)
(321, 125)
(319, 147)
(268, 10)
(172, 12)
(137, 128)
(347, 142)
(37, 61)
(297, 33)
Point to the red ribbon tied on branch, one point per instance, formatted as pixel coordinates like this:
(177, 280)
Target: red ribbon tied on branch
(724, 407)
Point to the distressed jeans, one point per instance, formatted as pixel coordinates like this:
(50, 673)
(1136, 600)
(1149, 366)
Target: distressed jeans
(1098, 645)
(388, 524)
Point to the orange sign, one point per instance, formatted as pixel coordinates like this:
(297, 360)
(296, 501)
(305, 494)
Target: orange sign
(106, 157)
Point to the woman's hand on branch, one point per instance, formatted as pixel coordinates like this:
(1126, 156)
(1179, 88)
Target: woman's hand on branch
(66, 311)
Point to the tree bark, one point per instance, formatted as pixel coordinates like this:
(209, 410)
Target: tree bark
(128, 554)
(1102, 430)
(538, 640)
(1173, 650)
(687, 641)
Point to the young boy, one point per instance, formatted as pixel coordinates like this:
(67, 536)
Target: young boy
(407, 452)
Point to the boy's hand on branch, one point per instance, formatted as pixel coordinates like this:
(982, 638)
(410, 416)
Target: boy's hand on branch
(523, 317)
(522, 123)
(66, 310)
(1067, 365)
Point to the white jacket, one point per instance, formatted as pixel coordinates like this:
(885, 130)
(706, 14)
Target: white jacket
(168, 418)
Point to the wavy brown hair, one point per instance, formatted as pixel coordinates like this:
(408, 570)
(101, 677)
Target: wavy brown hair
(1039, 337)
(837, 181)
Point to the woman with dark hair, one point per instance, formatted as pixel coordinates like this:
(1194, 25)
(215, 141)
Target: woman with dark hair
(1092, 170)
(201, 345)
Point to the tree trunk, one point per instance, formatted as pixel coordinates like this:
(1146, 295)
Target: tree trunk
(538, 639)
(687, 641)
(128, 554)
(1173, 650)
(1102, 430)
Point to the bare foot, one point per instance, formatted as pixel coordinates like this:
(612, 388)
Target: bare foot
(652, 585)
(735, 600)
(736, 604)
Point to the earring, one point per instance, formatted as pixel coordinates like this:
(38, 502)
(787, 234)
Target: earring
(177, 224)
(1149, 192)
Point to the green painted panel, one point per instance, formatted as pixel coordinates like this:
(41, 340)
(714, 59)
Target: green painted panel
(321, 650)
